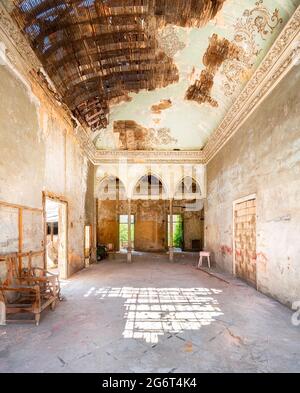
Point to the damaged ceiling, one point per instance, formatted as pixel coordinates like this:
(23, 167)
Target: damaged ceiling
(150, 74)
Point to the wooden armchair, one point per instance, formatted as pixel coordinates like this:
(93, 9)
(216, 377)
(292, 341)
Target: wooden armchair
(30, 289)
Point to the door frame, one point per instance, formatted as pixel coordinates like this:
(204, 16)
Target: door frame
(182, 228)
(134, 231)
(62, 200)
(237, 202)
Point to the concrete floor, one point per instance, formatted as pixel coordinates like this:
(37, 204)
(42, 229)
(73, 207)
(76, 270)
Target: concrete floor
(154, 316)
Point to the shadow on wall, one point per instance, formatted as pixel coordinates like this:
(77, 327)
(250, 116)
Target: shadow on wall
(153, 312)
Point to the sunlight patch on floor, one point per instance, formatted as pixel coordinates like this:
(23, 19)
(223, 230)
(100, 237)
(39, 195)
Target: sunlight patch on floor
(153, 312)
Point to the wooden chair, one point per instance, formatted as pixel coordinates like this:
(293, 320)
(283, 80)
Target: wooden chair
(30, 289)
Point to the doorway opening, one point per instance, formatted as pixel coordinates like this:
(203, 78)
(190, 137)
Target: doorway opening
(177, 232)
(87, 244)
(56, 236)
(123, 232)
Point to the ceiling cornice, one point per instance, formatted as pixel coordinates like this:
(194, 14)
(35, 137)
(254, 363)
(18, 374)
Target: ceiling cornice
(182, 157)
(277, 63)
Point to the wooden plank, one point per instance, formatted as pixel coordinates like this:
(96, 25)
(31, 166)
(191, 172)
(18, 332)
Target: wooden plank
(45, 230)
(14, 206)
(22, 254)
(55, 197)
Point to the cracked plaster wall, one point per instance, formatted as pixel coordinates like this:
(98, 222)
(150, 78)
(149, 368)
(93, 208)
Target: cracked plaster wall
(39, 153)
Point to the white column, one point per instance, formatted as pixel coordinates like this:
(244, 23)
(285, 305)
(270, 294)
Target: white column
(171, 249)
(129, 248)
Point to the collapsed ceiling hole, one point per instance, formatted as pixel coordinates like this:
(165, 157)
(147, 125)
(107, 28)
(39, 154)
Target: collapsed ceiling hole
(163, 105)
(97, 51)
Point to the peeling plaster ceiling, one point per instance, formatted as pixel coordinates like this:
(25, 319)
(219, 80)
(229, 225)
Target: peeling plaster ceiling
(189, 124)
(171, 96)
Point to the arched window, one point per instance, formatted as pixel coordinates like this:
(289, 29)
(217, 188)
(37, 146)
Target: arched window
(111, 188)
(188, 188)
(149, 187)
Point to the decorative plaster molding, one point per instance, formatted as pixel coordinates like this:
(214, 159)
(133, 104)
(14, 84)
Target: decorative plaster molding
(181, 157)
(17, 39)
(277, 63)
(279, 60)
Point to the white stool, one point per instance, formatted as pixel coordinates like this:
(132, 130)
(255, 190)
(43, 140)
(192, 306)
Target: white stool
(204, 254)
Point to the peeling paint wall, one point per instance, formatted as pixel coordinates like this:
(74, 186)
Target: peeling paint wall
(107, 227)
(193, 229)
(262, 158)
(39, 153)
(150, 227)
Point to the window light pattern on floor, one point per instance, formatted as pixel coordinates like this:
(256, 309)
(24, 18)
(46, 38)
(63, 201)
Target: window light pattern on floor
(153, 312)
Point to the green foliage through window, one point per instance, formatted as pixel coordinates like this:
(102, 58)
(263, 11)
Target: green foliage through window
(123, 231)
(178, 235)
(177, 231)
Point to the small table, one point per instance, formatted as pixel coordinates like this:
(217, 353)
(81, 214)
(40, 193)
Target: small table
(203, 254)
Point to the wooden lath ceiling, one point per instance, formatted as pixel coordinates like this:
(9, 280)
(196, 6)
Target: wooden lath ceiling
(96, 51)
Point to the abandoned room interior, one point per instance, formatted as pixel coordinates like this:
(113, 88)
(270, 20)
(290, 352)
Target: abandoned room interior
(149, 186)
